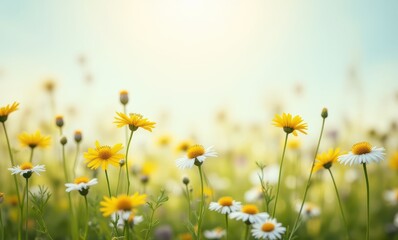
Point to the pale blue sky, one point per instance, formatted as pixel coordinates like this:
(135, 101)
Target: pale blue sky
(193, 57)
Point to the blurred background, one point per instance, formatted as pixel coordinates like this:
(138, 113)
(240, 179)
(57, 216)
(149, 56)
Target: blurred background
(213, 72)
(188, 59)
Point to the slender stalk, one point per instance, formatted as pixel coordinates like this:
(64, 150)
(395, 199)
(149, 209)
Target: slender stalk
(367, 199)
(76, 157)
(3, 229)
(294, 228)
(31, 154)
(118, 180)
(87, 217)
(341, 207)
(247, 236)
(189, 202)
(126, 128)
(226, 226)
(15, 181)
(127, 162)
(72, 225)
(280, 173)
(126, 230)
(202, 203)
(150, 226)
(107, 182)
(27, 209)
(64, 162)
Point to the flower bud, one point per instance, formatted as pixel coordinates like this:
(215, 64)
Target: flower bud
(63, 140)
(78, 136)
(324, 113)
(185, 180)
(124, 97)
(122, 162)
(1, 197)
(59, 121)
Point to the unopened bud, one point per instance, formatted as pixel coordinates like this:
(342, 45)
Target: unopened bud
(324, 113)
(63, 140)
(185, 180)
(124, 97)
(59, 121)
(78, 136)
(144, 179)
(121, 163)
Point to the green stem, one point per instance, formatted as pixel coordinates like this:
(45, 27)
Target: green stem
(247, 236)
(72, 225)
(2, 225)
(126, 128)
(189, 202)
(150, 225)
(64, 162)
(27, 209)
(226, 226)
(118, 181)
(280, 174)
(87, 218)
(76, 157)
(127, 230)
(367, 199)
(202, 203)
(341, 207)
(107, 182)
(15, 180)
(127, 162)
(294, 228)
(31, 155)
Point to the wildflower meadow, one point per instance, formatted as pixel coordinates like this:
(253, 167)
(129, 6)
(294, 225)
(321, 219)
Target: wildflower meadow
(180, 120)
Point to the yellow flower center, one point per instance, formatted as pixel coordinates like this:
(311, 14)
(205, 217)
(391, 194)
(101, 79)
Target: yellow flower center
(124, 203)
(250, 209)
(268, 227)
(104, 152)
(26, 166)
(225, 201)
(81, 180)
(361, 148)
(195, 151)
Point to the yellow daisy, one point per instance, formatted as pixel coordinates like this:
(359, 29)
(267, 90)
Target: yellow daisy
(290, 124)
(134, 121)
(184, 145)
(121, 203)
(103, 155)
(326, 159)
(34, 140)
(393, 162)
(5, 111)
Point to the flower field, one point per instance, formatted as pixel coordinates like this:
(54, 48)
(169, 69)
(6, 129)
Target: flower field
(57, 186)
(198, 119)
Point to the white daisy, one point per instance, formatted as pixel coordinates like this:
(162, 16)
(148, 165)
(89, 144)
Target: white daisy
(268, 229)
(216, 233)
(310, 210)
(81, 184)
(123, 216)
(391, 196)
(254, 194)
(362, 152)
(249, 214)
(196, 154)
(26, 169)
(225, 205)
